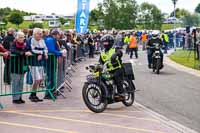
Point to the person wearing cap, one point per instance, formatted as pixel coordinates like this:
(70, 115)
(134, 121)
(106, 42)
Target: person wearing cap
(53, 46)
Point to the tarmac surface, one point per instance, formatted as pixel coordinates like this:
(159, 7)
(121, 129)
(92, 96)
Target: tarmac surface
(70, 115)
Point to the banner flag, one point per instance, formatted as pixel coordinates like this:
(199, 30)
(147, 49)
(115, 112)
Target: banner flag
(82, 16)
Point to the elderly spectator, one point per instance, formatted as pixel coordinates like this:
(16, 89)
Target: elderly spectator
(7, 42)
(38, 47)
(18, 65)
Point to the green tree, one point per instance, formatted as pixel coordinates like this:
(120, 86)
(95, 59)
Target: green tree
(180, 13)
(150, 16)
(119, 14)
(110, 11)
(197, 9)
(96, 16)
(128, 10)
(16, 18)
(62, 21)
(5, 20)
(36, 25)
(191, 20)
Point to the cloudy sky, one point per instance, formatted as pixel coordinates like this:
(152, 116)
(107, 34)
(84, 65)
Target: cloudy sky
(68, 7)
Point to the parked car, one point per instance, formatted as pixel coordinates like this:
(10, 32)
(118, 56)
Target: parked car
(54, 24)
(172, 20)
(67, 23)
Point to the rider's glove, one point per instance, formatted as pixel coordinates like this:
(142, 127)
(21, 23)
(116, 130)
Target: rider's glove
(113, 58)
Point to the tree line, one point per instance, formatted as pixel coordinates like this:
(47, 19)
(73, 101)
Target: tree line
(118, 14)
(12, 15)
(127, 14)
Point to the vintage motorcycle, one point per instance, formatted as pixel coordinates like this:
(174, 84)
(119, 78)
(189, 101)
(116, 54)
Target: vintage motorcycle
(100, 90)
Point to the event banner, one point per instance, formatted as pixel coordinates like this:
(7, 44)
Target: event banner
(82, 16)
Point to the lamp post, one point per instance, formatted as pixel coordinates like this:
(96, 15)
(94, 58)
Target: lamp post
(174, 2)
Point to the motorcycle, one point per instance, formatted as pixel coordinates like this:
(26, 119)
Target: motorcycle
(156, 58)
(100, 90)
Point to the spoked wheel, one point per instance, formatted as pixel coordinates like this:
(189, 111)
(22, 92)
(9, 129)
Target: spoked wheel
(129, 93)
(94, 98)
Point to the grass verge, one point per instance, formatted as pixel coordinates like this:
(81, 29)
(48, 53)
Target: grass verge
(186, 58)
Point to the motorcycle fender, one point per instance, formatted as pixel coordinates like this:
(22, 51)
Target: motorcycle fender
(131, 83)
(103, 87)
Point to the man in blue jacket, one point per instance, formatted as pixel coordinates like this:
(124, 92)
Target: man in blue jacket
(54, 52)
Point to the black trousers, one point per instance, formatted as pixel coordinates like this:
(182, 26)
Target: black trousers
(131, 50)
(118, 79)
(91, 51)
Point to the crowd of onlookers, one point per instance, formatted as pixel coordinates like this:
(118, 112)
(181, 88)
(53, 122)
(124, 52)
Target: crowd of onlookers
(171, 39)
(38, 51)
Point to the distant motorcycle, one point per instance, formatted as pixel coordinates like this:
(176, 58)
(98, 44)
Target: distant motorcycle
(156, 58)
(100, 90)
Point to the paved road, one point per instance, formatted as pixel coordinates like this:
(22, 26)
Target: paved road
(173, 93)
(71, 115)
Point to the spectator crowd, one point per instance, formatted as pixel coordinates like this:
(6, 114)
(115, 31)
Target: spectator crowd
(40, 53)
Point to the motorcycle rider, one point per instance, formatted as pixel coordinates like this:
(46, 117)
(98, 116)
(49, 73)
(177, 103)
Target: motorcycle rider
(151, 43)
(115, 66)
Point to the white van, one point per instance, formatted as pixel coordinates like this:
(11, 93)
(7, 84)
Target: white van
(54, 24)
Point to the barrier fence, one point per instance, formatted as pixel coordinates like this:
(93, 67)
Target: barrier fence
(22, 75)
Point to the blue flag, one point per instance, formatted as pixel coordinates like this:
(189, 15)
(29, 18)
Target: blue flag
(82, 16)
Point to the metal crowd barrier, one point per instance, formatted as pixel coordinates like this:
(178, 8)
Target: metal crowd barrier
(64, 69)
(19, 73)
(55, 73)
(80, 54)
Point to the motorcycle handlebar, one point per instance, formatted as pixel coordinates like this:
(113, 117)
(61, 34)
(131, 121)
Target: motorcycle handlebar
(98, 67)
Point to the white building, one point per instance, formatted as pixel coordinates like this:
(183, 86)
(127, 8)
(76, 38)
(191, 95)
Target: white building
(46, 17)
(28, 18)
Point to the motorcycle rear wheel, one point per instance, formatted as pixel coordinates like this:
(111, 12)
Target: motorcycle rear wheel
(129, 93)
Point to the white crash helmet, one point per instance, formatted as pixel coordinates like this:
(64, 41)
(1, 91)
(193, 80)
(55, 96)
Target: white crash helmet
(155, 34)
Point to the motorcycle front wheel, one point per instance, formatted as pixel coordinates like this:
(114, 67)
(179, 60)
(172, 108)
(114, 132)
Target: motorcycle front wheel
(94, 98)
(158, 65)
